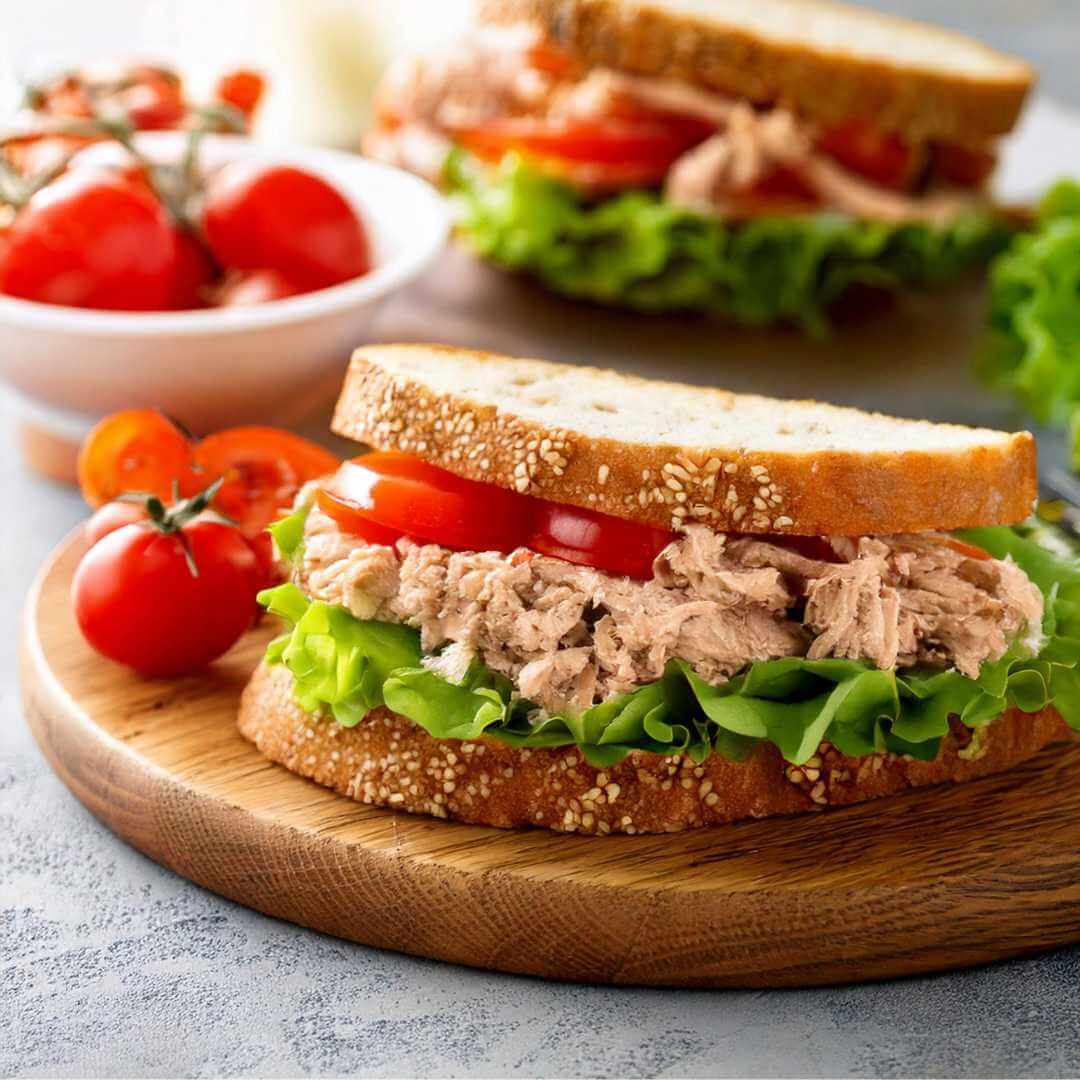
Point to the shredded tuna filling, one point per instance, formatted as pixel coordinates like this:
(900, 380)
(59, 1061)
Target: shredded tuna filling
(425, 100)
(570, 636)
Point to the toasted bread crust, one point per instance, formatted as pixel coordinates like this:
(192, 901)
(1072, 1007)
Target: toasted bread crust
(831, 492)
(388, 761)
(829, 86)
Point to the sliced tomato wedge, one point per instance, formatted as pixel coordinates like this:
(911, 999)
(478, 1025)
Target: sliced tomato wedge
(883, 157)
(598, 540)
(263, 468)
(135, 450)
(648, 147)
(411, 497)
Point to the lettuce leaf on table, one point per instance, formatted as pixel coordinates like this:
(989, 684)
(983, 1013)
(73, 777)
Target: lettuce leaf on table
(344, 667)
(636, 250)
(1033, 344)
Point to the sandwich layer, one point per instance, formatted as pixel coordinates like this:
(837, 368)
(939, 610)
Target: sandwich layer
(671, 455)
(831, 62)
(389, 761)
(570, 636)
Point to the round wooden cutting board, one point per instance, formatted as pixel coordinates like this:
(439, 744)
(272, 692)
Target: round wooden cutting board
(936, 879)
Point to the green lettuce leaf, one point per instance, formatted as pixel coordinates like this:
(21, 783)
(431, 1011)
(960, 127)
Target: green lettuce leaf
(1032, 348)
(346, 666)
(637, 250)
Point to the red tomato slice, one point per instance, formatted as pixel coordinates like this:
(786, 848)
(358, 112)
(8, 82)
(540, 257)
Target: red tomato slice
(134, 450)
(883, 157)
(384, 496)
(410, 496)
(649, 147)
(263, 467)
(598, 540)
(962, 165)
(353, 520)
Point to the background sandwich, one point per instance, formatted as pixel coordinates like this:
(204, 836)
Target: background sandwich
(756, 160)
(569, 598)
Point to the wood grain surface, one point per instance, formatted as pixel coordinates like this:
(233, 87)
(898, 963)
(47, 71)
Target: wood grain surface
(941, 878)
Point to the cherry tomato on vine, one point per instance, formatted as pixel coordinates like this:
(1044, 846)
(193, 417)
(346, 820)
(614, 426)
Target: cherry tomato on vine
(242, 89)
(277, 217)
(91, 239)
(166, 601)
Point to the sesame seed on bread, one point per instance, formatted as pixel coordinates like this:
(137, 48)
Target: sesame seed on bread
(828, 61)
(670, 455)
(386, 760)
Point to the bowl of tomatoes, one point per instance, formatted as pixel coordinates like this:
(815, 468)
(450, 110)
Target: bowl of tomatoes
(245, 313)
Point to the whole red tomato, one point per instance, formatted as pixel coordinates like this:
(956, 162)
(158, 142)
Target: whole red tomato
(91, 239)
(166, 602)
(277, 217)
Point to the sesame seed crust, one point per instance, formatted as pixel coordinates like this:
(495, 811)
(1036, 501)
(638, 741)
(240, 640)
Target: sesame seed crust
(388, 761)
(387, 405)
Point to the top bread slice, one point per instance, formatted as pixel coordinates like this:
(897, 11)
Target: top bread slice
(829, 62)
(670, 455)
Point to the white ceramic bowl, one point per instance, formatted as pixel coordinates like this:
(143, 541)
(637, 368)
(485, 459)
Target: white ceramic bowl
(271, 363)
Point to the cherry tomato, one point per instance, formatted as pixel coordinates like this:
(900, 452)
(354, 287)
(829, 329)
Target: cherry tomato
(648, 147)
(277, 217)
(138, 602)
(598, 540)
(242, 89)
(153, 104)
(884, 157)
(963, 165)
(256, 287)
(134, 450)
(406, 495)
(110, 517)
(193, 273)
(263, 468)
(91, 239)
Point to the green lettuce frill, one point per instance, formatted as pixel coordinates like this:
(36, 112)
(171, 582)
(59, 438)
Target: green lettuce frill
(1033, 344)
(636, 250)
(344, 667)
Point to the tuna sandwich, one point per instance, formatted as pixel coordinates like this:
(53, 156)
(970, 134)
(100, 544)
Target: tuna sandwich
(561, 597)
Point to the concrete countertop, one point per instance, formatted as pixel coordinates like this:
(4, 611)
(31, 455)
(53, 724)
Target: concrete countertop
(113, 966)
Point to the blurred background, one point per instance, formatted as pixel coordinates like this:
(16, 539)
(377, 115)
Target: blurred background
(322, 56)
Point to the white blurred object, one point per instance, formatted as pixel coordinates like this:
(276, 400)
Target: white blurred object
(322, 57)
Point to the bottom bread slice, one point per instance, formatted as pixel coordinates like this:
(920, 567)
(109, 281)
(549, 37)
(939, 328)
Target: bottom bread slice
(388, 761)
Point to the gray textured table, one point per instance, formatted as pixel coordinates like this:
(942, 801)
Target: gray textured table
(110, 965)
